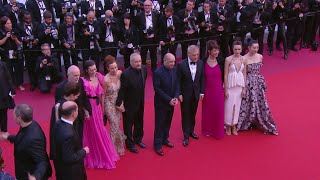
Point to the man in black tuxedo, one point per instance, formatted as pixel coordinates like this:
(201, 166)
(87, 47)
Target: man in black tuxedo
(166, 97)
(29, 35)
(69, 161)
(37, 8)
(82, 101)
(14, 11)
(92, 5)
(89, 30)
(169, 26)
(30, 156)
(189, 29)
(147, 24)
(68, 36)
(207, 21)
(48, 31)
(191, 85)
(131, 101)
(118, 7)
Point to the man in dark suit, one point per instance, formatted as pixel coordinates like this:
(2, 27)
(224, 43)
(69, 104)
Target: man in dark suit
(30, 156)
(14, 11)
(69, 161)
(165, 98)
(68, 36)
(191, 86)
(82, 101)
(131, 97)
(169, 26)
(92, 5)
(147, 24)
(48, 31)
(118, 7)
(29, 35)
(37, 8)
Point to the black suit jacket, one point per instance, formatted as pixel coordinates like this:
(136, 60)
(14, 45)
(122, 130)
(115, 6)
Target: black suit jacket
(82, 101)
(115, 28)
(6, 85)
(30, 153)
(228, 14)
(85, 40)
(21, 27)
(164, 89)
(47, 38)
(69, 161)
(9, 13)
(141, 23)
(108, 5)
(130, 94)
(213, 21)
(183, 14)
(163, 29)
(63, 34)
(33, 8)
(85, 7)
(187, 87)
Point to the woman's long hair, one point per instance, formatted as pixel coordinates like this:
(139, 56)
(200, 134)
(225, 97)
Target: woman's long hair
(86, 66)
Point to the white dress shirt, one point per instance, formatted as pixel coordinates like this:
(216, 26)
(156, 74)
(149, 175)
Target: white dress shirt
(66, 121)
(109, 35)
(193, 69)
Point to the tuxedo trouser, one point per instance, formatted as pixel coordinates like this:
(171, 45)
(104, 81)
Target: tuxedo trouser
(186, 43)
(223, 41)
(281, 36)
(15, 67)
(152, 50)
(31, 60)
(188, 113)
(4, 119)
(112, 52)
(66, 58)
(126, 56)
(258, 35)
(203, 45)
(163, 119)
(92, 54)
(294, 32)
(133, 120)
(311, 29)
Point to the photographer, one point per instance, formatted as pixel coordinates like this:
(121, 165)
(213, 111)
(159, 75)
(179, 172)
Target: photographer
(208, 22)
(279, 15)
(297, 9)
(67, 36)
(189, 27)
(311, 26)
(147, 23)
(128, 39)
(37, 8)
(47, 69)
(88, 30)
(92, 5)
(169, 26)
(14, 12)
(245, 15)
(30, 43)
(10, 42)
(261, 19)
(118, 7)
(135, 6)
(48, 31)
(63, 7)
(109, 36)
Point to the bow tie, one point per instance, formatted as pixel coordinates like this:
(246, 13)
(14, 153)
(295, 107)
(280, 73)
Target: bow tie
(148, 14)
(192, 63)
(169, 18)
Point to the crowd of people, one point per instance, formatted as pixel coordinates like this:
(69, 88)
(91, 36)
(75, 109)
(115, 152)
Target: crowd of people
(224, 73)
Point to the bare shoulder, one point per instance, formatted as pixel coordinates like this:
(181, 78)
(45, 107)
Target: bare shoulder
(260, 57)
(119, 73)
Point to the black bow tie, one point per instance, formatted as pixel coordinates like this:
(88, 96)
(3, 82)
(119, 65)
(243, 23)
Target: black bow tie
(169, 18)
(148, 14)
(192, 63)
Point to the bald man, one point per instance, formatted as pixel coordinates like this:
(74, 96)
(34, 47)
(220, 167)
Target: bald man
(131, 95)
(89, 28)
(69, 161)
(165, 98)
(83, 103)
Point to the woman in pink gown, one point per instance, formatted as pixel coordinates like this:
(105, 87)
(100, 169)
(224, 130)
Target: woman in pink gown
(213, 102)
(102, 151)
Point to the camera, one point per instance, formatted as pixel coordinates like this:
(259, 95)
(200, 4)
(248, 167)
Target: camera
(109, 21)
(221, 12)
(191, 18)
(53, 32)
(171, 33)
(149, 31)
(260, 6)
(30, 42)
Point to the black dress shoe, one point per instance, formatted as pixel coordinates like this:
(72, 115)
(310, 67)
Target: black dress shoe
(285, 56)
(185, 142)
(141, 144)
(194, 136)
(159, 152)
(270, 52)
(279, 48)
(294, 48)
(32, 88)
(168, 144)
(133, 149)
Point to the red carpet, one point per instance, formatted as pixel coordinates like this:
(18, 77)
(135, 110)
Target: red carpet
(293, 87)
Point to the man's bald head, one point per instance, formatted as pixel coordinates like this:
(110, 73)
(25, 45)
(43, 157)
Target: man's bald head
(69, 110)
(91, 16)
(73, 74)
(109, 13)
(169, 60)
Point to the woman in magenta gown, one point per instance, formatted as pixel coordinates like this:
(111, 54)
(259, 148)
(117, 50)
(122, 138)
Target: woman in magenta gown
(102, 151)
(213, 102)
